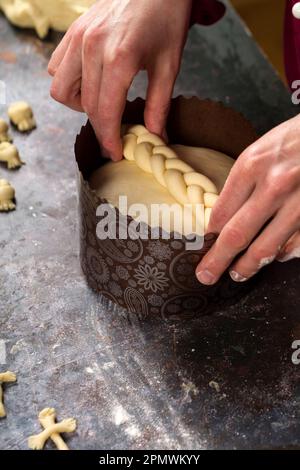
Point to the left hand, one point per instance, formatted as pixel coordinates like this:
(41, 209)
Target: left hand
(94, 65)
(258, 211)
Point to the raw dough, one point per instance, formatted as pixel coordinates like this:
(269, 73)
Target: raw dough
(5, 377)
(10, 155)
(51, 430)
(153, 156)
(126, 178)
(21, 115)
(47, 419)
(7, 196)
(4, 135)
(44, 14)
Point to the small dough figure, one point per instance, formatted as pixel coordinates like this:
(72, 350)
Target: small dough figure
(5, 377)
(7, 196)
(4, 135)
(10, 155)
(52, 430)
(21, 115)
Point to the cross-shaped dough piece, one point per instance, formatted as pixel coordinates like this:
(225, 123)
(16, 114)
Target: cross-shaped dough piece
(5, 377)
(52, 430)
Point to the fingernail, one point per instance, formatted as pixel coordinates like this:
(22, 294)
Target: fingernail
(206, 277)
(288, 255)
(237, 277)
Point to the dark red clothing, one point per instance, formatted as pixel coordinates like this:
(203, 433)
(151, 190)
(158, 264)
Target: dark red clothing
(209, 11)
(291, 43)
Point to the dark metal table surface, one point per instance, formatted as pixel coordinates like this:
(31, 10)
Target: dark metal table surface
(132, 384)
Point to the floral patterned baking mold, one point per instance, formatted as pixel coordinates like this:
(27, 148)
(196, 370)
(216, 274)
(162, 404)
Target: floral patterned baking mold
(155, 277)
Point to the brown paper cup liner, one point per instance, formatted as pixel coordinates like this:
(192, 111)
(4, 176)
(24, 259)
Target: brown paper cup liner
(156, 277)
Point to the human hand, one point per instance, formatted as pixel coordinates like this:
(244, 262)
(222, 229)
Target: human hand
(98, 58)
(258, 209)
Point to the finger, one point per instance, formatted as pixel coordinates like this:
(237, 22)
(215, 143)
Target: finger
(266, 247)
(91, 74)
(235, 237)
(159, 95)
(66, 85)
(291, 249)
(75, 34)
(59, 53)
(238, 188)
(113, 93)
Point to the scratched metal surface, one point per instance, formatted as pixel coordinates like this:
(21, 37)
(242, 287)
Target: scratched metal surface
(131, 384)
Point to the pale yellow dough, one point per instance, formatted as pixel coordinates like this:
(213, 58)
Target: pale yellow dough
(189, 187)
(9, 154)
(43, 15)
(7, 196)
(52, 430)
(5, 377)
(126, 178)
(21, 115)
(4, 132)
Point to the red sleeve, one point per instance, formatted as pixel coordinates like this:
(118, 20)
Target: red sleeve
(292, 43)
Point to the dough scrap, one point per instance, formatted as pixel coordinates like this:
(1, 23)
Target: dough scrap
(44, 14)
(52, 430)
(7, 196)
(21, 115)
(152, 155)
(125, 178)
(9, 154)
(47, 419)
(5, 377)
(4, 134)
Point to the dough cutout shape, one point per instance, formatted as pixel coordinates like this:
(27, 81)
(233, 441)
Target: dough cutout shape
(21, 115)
(4, 132)
(135, 178)
(9, 154)
(5, 377)
(7, 197)
(52, 430)
(44, 14)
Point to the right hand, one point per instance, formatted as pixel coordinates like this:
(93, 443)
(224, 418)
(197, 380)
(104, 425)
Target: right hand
(98, 58)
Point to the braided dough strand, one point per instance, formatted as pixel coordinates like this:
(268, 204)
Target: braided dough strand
(153, 156)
